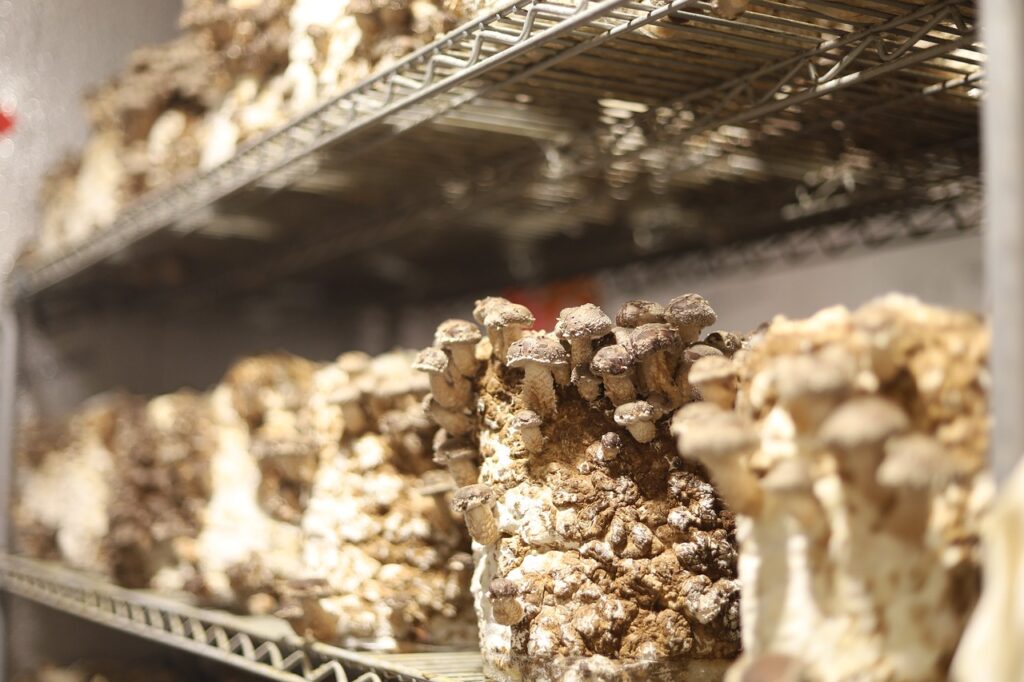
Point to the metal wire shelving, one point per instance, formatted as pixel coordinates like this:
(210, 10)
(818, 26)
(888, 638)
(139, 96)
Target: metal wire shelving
(548, 119)
(262, 646)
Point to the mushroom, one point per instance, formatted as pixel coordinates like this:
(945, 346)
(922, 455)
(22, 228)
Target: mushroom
(505, 605)
(474, 501)
(857, 430)
(459, 338)
(653, 345)
(634, 313)
(697, 351)
(456, 422)
(809, 386)
(614, 365)
(528, 423)
(727, 342)
(581, 326)
(483, 306)
(914, 466)
(349, 398)
(586, 383)
(505, 322)
(459, 456)
(789, 482)
(689, 314)
(540, 357)
(610, 446)
(436, 485)
(451, 390)
(718, 439)
(638, 417)
(715, 377)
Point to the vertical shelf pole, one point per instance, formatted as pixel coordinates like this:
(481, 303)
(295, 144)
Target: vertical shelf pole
(1003, 167)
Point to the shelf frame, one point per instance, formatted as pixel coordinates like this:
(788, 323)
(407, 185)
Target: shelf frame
(245, 643)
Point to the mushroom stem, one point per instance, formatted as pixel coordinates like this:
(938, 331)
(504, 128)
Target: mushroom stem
(581, 352)
(455, 422)
(505, 606)
(533, 439)
(474, 501)
(587, 384)
(539, 390)
(658, 378)
(642, 431)
(451, 391)
(619, 389)
(464, 359)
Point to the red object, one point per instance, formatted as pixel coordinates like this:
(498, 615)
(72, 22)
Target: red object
(6, 122)
(545, 302)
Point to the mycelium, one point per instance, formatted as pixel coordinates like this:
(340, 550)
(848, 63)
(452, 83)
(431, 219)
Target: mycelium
(854, 461)
(599, 551)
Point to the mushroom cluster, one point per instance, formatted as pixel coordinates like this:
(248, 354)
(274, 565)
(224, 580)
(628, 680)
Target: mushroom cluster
(239, 69)
(598, 550)
(854, 461)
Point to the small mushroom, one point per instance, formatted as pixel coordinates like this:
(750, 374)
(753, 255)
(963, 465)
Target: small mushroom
(505, 322)
(689, 314)
(459, 457)
(474, 501)
(540, 357)
(457, 422)
(727, 342)
(638, 417)
(528, 423)
(614, 365)
(719, 439)
(505, 604)
(789, 482)
(581, 326)
(451, 390)
(348, 397)
(634, 313)
(915, 466)
(715, 377)
(459, 338)
(586, 383)
(697, 351)
(857, 431)
(809, 386)
(436, 485)
(654, 347)
(611, 446)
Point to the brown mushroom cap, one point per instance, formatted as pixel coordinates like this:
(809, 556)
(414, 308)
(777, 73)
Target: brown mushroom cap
(507, 314)
(699, 350)
(863, 422)
(706, 431)
(452, 332)
(502, 588)
(648, 339)
(482, 306)
(727, 342)
(582, 322)
(637, 411)
(690, 310)
(540, 349)
(611, 360)
(611, 441)
(430, 360)
(524, 419)
(472, 496)
(915, 461)
(711, 368)
(638, 311)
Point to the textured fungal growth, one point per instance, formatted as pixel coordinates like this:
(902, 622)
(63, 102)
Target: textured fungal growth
(854, 461)
(580, 327)
(689, 314)
(608, 550)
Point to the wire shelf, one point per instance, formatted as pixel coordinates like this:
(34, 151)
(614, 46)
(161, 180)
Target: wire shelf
(262, 646)
(548, 122)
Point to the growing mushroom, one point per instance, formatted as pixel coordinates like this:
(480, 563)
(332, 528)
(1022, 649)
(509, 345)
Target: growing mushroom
(457, 422)
(790, 483)
(610, 447)
(450, 389)
(915, 466)
(809, 386)
(459, 457)
(540, 357)
(715, 377)
(718, 439)
(436, 485)
(614, 365)
(689, 314)
(459, 338)
(528, 423)
(634, 313)
(474, 501)
(654, 347)
(505, 604)
(727, 342)
(505, 322)
(586, 383)
(581, 326)
(638, 417)
(857, 431)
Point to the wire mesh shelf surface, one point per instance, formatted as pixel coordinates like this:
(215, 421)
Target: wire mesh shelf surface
(548, 122)
(261, 646)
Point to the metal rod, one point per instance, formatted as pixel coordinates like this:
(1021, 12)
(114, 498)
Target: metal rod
(1003, 164)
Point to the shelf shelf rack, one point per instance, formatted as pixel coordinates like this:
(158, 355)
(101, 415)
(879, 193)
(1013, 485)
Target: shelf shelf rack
(542, 102)
(262, 646)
